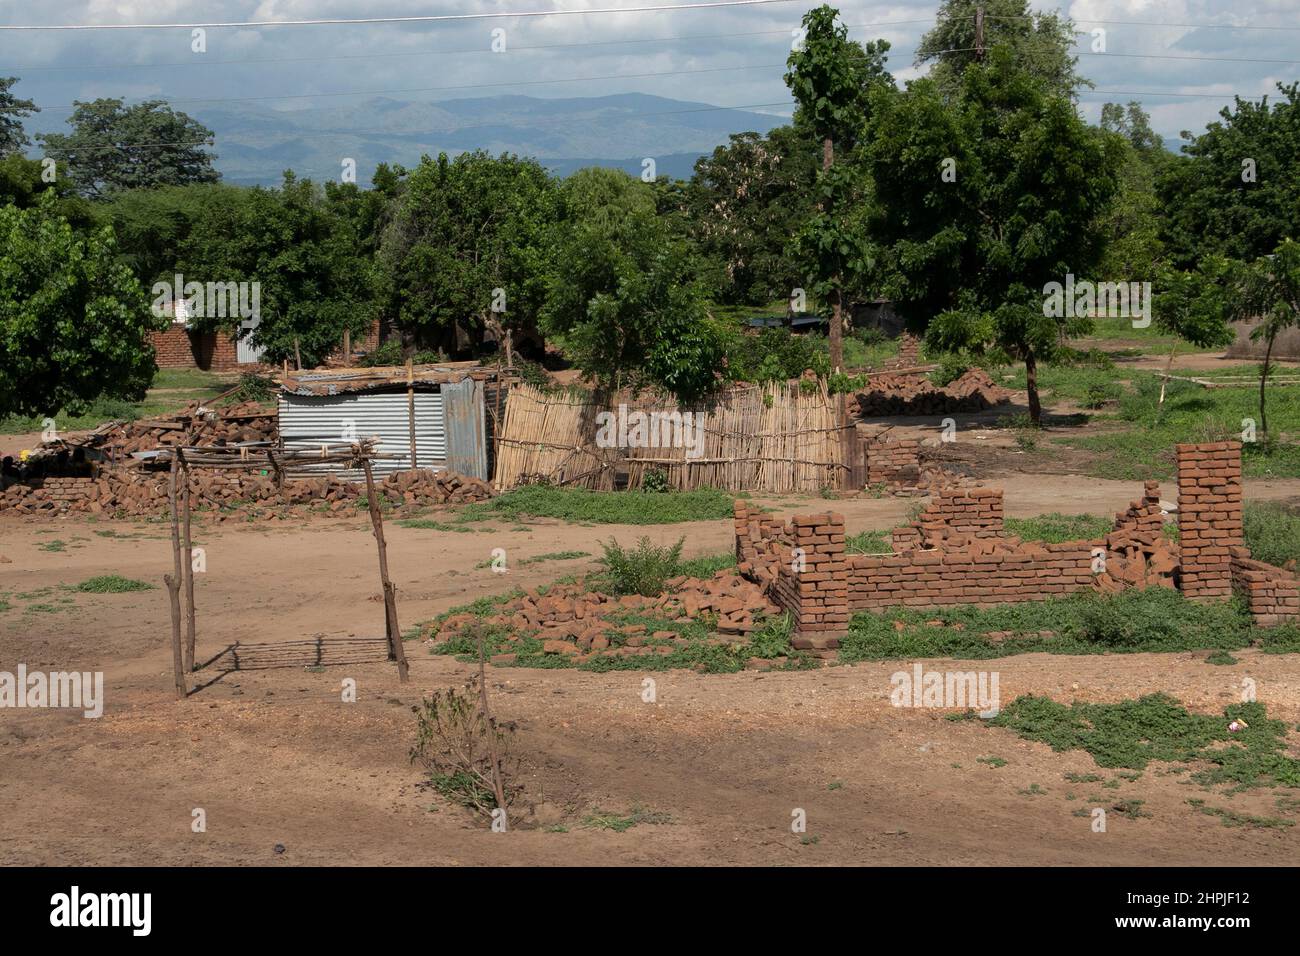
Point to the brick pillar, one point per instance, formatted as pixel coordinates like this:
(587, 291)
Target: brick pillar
(813, 582)
(1209, 517)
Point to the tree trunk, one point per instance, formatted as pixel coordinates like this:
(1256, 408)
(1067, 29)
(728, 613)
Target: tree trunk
(1263, 380)
(1031, 385)
(837, 297)
(1169, 367)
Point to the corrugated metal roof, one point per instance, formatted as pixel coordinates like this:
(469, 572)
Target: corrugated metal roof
(341, 381)
(308, 420)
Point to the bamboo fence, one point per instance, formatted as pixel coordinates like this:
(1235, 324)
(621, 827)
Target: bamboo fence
(780, 437)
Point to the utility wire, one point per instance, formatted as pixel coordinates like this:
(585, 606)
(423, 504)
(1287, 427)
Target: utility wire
(440, 18)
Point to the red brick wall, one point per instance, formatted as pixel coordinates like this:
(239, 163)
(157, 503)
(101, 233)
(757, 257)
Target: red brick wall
(887, 457)
(209, 351)
(1209, 517)
(1272, 593)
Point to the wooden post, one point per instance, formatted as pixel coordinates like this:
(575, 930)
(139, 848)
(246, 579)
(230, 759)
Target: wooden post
(410, 409)
(347, 347)
(187, 564)
(297, 354)
(395, 649)
(173, 582)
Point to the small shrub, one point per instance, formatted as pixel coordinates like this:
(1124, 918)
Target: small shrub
(643, 569)
(655, 480)
(452, 743)
(112, 584)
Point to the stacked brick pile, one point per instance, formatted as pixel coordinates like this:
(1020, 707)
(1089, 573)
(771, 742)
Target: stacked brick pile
(1272, 593)
(193, 425)
(956, 516)
(909, 352)
(761, 542)
(893, 460)
(576, 623)
(1137, 552)
(898, 394)
(1209, 517)
(133, 493)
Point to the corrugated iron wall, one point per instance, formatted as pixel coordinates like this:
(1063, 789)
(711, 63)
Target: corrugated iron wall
(308, 420)
(462, 408)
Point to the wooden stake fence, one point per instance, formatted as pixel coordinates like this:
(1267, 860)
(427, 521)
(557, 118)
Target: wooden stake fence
(254, 456)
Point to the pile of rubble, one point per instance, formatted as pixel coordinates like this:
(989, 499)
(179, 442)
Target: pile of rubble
(195, 424)
(1137, 552)
(137, 493)
(577, 624)
(897, 394)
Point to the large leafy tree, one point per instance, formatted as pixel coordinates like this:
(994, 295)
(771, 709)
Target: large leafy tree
(1039, 42)
(984, 200)
(746, 200)
(460, 231)
(1194, 306)
(626, 295)
(74, 321)
(13, 139)
(113, 146)
(1235, 191)
(832, 79)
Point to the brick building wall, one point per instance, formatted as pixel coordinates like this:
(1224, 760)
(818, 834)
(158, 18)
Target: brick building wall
(210, 351)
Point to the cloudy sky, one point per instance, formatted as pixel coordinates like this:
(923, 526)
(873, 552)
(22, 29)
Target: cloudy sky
(730, 56)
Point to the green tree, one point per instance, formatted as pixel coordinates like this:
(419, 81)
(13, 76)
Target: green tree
(832, 78)
(113, 146)
(1194, 306)
(1268, 289)
(22, 184)
(467, 249)
(626, 297)
(13, 139)
(746, 200)
(74, 322)
(1134, 249)
(982, 202)
(1040, 43)
(1236, 190)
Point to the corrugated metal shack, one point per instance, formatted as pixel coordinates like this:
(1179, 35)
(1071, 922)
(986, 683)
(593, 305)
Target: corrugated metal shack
(427, 416)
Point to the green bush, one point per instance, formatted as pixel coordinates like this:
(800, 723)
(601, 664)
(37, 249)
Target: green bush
(643, 569)
(1272, 532)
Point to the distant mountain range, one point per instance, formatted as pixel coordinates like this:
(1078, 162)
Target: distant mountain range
(255, 144)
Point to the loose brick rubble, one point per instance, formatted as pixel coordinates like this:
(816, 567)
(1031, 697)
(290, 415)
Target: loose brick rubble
(579, 624)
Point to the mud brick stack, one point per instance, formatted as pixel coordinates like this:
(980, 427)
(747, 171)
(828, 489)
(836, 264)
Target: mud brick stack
(909, 352)
(890, 460)
(897, 393)
(971, 512)
(1137, 552)
(760, 542)
(1209, 517)
(812, 582)
(1272, 593)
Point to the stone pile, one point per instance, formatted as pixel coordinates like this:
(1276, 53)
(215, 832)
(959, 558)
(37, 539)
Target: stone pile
(900, 394)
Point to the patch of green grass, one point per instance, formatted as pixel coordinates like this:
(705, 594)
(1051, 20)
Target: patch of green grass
(1156, 619)
(540, 558)
(1272, 531)
(604, 507)
(1034, 790)
(55, 546)
(1055, 528)
(429, 524)
(1221, 657)
(994, 762)
(869, 542)
(1233, 818)
(706, 566)
(112, 584)
(621, 823)
(1144, 448)
(4, 605)
(1133, 733)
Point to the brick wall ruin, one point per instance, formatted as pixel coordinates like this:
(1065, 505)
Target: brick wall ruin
(958, 552)
(210, 351)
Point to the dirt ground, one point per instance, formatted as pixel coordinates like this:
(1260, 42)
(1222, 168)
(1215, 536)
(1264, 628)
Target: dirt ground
(275, 757)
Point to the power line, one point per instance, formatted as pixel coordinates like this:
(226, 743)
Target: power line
(439, 18)
(1140, 23)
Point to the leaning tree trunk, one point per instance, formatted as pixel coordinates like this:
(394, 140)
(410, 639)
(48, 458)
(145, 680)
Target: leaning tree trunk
(1031, 385)
(1263, 380)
